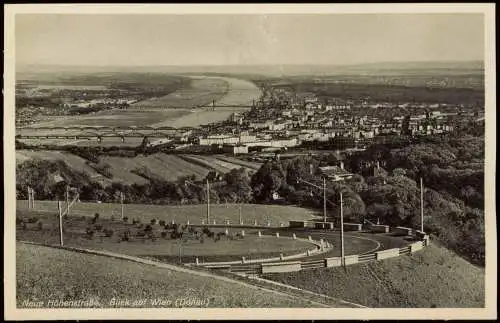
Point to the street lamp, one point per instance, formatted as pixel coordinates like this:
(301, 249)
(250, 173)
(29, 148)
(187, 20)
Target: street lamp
(299, 180)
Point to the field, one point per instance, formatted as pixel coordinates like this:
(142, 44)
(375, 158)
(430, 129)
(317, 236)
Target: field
(243, 163)
(211, 162)
(167, 167)
(434, 277)
(127, 169)
(182, 213)
(45, 273)
(199, 92)
(74, 161)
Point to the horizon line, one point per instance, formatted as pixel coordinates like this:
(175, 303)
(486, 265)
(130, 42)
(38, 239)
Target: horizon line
(256, 64)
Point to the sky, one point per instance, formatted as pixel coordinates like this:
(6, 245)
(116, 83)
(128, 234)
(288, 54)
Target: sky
(333, 39)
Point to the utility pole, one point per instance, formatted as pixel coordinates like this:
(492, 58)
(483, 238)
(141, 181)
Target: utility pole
(208, 201)
(240, 214)
(421, 204)
(324, 193)
(324, 200)
(60, 223)
(29, 197)
(67, 200)
(342, 231)
(121, 203)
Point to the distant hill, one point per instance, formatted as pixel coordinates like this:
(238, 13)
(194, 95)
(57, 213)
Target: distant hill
(271, 70)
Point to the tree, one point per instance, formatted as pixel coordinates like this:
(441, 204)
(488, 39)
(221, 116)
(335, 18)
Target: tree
(267, 180)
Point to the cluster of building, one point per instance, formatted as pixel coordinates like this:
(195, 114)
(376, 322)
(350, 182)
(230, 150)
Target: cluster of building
(282, 128)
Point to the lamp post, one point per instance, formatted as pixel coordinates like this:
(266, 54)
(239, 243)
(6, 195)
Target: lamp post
(321, 188)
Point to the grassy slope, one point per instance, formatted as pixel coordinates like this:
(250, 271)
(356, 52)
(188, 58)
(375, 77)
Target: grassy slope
(250, 246)
(167, 167)
(181, 213)
(44, 273)
(434, 277)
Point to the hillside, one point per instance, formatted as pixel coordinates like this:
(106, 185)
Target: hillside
(139, 169)
(44, 273)
(434, 277)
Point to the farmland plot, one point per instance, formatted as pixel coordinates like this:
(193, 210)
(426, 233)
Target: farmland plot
(206, 161)
(121, 168)
(242, 163)
(171, 167)
(73, 161)
(166, 167)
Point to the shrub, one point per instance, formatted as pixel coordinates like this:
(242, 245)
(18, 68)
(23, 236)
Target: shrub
(108, 233)
(125, 219)
(148, 228)
(162, 223)
(153, 221)
(151, 236)
(125, 236)
(90, 234)
(164, 234)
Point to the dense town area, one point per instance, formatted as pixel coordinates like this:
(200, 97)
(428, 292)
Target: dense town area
(282, 120)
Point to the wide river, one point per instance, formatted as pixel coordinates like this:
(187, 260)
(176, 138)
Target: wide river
(240, 93)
